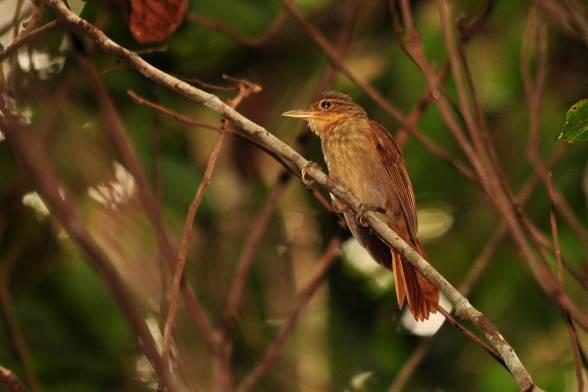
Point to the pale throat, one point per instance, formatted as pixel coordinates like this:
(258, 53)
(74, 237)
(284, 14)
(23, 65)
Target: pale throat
(321, 126)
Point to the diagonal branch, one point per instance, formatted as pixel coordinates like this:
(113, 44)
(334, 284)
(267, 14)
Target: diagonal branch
(28, 148)
(472, 276)
(479, 154)
(463, 308)
(151, 205)
(24, 39)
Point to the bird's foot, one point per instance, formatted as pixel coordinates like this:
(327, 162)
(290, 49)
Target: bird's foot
(363, 209)
(306, 180)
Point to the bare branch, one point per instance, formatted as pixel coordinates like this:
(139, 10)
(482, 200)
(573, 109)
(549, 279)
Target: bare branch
(246, 88)
(463, 308)
(472, 276)
(117, 132)
(16, 333)
(33, 158)
(26, 38)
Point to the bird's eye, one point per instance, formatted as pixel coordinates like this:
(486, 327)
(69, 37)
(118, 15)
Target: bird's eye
(325, 104)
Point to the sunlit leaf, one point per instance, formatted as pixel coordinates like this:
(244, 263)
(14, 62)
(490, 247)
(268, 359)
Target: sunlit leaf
(575, 128)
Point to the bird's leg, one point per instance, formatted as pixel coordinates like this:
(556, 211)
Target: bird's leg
(365, 208)
(304, 173)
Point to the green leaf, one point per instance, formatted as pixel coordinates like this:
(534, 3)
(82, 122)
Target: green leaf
(575, 128)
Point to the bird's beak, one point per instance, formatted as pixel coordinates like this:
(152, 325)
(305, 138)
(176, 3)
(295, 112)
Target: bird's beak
(305, 114)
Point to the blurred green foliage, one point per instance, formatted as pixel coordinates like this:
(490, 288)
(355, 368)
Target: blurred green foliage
(76, 335)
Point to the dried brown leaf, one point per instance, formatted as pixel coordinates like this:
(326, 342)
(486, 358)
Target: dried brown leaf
(156, 20)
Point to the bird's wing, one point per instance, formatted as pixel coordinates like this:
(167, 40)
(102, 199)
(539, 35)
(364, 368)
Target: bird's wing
(391, 158)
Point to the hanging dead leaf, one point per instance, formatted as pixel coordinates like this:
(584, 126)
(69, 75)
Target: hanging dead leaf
(156, 20)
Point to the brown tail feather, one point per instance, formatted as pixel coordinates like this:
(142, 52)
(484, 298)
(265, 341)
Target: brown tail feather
(421, 295)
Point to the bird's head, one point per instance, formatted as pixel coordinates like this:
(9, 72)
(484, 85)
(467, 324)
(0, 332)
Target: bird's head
(330, 108)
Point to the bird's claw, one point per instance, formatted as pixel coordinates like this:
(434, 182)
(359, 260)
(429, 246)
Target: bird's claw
(363, 209)
(306, 180)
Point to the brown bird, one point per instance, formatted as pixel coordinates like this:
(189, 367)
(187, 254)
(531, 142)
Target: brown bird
(362, 156)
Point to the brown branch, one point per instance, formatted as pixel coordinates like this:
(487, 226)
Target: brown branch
(501, 195)
(463, 308)
(26, 38)
(263, 218)
(246, 88)
(472, 276)
(185, 244)
(246, 260)
(117, 133)
(176, 116)
(16, 17)
(27, 147)
(327, 260)
(10, 381)
(491, 179)
(10, 24)
(193, 122)
(15, 331)
(574, 341)
(471, 336)
(212, 86)
(568, 15)
(261, 223)
(536, 34)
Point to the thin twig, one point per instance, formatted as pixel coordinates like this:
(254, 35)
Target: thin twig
(327, 260)
(26, 38)
(263, 218)
(10, 24)
(490, 176)
(574, 341)
(246, 260)
(16, 333)
(471, 336)
(185, 244)
(536, 35)
(463, 308)
(16, 17)
(33, 158)
(471, 278)
(246, 88)
(176, 116)
(129, 158)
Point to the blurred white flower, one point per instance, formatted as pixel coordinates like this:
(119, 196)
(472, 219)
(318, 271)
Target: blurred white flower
(34, 201)
(116, 192)
(359, 380)
(42, 61)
